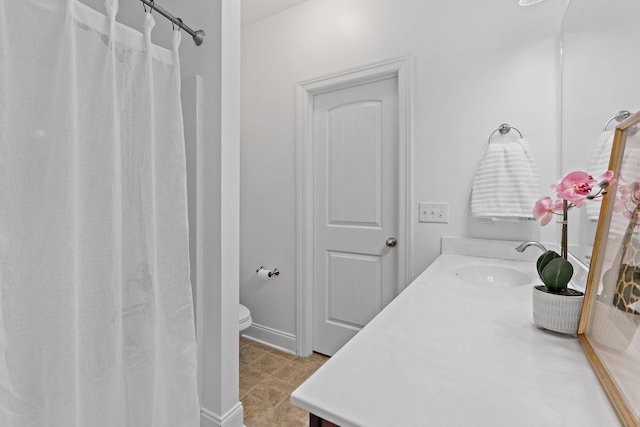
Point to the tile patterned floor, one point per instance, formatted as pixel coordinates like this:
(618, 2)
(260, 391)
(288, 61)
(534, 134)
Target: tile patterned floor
(267, 378)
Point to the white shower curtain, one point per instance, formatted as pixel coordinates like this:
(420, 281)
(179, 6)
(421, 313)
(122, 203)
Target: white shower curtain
(96, 313)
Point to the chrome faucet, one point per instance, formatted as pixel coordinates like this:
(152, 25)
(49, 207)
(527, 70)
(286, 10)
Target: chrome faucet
(525, 245)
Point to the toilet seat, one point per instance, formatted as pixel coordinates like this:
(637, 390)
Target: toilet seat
(244, 317)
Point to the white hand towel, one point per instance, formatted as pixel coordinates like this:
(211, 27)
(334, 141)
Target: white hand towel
(598, 164)
(506, 185)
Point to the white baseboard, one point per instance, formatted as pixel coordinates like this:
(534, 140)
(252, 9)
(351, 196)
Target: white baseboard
(233, 418)
(271, 337)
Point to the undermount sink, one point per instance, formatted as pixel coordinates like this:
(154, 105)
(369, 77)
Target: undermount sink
(491, 274)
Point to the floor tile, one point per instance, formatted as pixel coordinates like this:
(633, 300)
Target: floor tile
(293, 373)
(270, 363)
(254, 409)
(280, 419)
(261, 346)
(272, 390)
(267, 378)
(314, 361)
(251, 355)
(288, 408)
(249, 378)
(283, 354)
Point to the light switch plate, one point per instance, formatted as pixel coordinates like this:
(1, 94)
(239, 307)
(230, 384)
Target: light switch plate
(434, 212)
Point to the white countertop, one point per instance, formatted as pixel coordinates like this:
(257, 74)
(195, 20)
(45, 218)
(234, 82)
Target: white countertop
(447, 352)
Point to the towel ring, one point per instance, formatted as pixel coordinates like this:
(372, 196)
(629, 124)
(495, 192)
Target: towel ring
(503, 129)
(619, 117)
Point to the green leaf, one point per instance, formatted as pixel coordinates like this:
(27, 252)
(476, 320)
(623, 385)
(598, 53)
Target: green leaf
(544, 259)
(557, 274)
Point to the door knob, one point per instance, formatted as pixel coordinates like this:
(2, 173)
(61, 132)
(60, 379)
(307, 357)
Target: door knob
(391, 242)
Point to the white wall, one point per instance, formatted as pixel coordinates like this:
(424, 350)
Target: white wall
(478, 64)
(218, 62)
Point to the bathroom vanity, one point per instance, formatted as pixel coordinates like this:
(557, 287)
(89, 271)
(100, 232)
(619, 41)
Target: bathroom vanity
(458, 349)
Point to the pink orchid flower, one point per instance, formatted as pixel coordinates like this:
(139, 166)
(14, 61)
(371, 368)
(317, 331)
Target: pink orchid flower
(606, 179)
(545, 209)
(575, 187)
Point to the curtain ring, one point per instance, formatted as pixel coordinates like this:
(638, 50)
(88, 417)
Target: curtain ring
(152, 6)
(179, 24)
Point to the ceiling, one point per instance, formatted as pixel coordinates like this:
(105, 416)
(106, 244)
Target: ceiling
(255, 10)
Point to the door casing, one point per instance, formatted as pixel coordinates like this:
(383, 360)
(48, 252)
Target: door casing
(400, 67)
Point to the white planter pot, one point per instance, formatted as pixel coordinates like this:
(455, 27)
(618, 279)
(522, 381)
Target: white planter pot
(559, 313)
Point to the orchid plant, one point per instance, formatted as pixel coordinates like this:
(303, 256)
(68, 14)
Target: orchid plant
(573, 190)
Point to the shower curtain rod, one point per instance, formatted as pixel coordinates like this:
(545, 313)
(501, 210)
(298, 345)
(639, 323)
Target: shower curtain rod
(198, 36)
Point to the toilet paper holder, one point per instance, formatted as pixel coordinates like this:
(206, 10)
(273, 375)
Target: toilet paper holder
(275, 271)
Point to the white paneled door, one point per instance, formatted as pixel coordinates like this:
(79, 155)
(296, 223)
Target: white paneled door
(355, 209)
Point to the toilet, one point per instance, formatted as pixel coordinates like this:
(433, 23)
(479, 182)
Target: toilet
(244, 318)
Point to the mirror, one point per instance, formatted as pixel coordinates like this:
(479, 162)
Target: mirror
(598, 79)
(610, 323)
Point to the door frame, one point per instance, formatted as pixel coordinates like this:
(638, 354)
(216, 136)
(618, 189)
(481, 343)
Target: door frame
(400, 67)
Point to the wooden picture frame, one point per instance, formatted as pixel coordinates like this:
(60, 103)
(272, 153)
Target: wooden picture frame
(609, 328)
